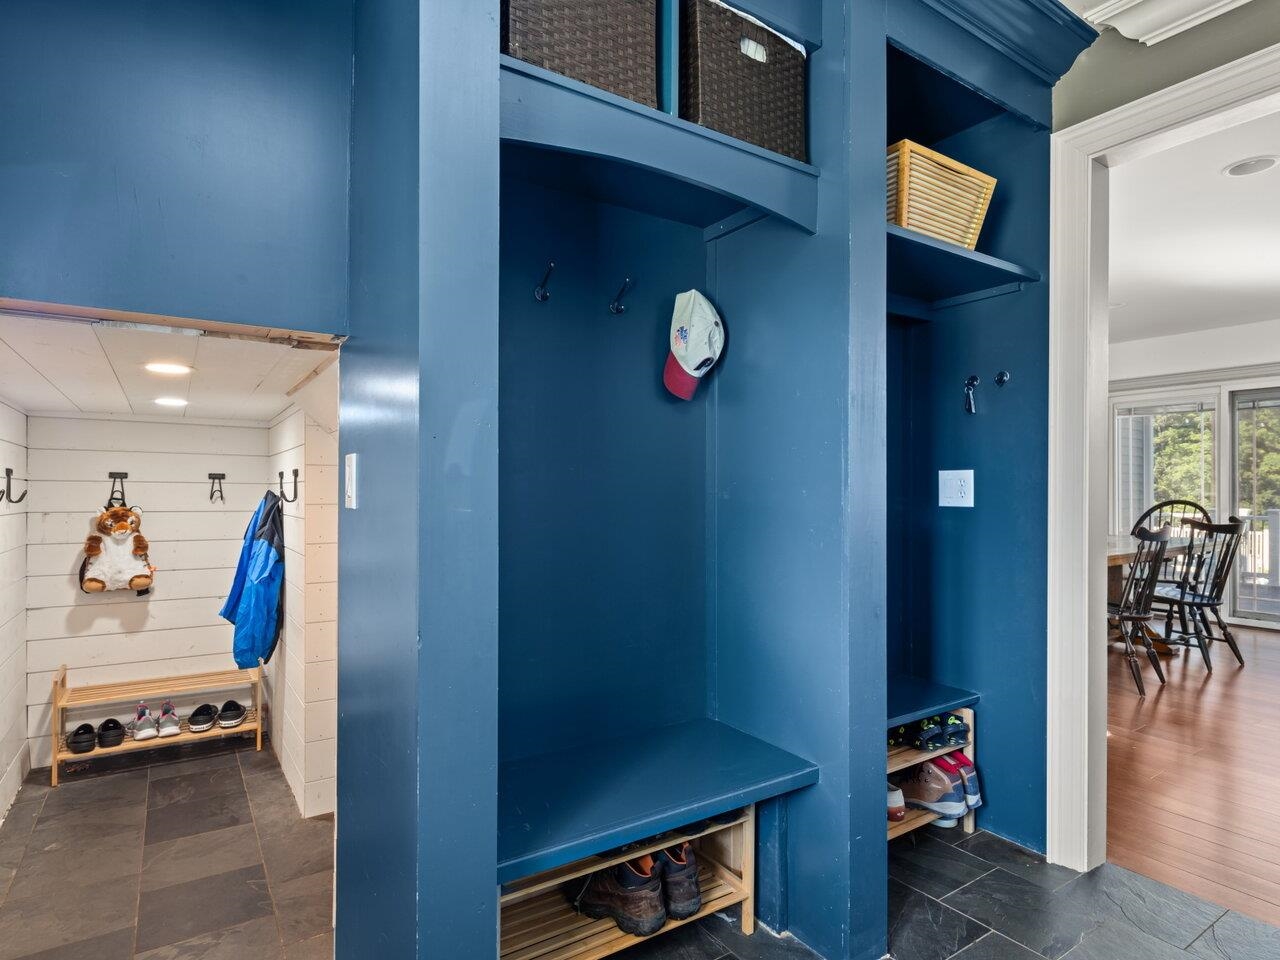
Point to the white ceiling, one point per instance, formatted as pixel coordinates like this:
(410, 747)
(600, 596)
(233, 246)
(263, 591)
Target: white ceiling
(1192, 249)
(55, 366)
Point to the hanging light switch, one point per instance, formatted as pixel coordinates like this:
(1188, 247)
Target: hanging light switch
(349, 498)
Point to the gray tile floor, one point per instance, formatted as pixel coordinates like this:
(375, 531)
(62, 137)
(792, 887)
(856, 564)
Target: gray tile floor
(174, 855)
(983, 898)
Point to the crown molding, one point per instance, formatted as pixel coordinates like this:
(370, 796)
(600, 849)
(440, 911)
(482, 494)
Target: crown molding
(1042, 36)
(1150, 21)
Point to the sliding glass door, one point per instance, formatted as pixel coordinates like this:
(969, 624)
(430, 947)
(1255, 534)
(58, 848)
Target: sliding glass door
(1161, 451)
(1256, 469)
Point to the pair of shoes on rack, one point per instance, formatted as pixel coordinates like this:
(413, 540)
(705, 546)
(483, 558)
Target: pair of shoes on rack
(84, 738)
(931, 733)
(947, 786)
(207, 716)
(641, 895)
(144, 726)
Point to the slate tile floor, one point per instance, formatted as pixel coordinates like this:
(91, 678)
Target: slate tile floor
(983, 898)
(175, 854)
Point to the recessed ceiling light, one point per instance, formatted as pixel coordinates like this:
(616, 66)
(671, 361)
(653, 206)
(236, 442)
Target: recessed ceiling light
(1247, 168)
(171, 401)
(169, 369)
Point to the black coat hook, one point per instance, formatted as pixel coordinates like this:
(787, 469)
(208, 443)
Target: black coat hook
(117, 498)
(1003, 377)
(295, 487)
(970, 401)
(7, 492)
(617, 308)
(215, 487)
(540, 292)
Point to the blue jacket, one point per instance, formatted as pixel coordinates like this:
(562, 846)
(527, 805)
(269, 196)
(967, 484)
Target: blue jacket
(256, 603)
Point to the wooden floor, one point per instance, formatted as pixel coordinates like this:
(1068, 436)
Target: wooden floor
(1194, 774)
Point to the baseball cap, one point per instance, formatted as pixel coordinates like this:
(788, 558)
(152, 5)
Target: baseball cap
(697, 337)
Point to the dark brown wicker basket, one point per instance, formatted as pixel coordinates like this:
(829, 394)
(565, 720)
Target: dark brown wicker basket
(724, 88)
(611, 44)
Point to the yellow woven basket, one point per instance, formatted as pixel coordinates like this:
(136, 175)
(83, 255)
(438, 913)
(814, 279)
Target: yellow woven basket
(935, 195)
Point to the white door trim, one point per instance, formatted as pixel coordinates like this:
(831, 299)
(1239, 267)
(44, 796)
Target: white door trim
(1078, 430)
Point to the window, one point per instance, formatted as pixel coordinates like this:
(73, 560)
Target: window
(1162, 452)
(1257, 483)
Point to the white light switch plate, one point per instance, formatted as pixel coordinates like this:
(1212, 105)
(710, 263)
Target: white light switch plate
(955, 488)
(349, 498)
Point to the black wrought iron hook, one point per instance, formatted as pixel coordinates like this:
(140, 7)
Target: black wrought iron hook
(617, 308)
(540, 292)
(7, 492)
(970, 401)
(215, 487)
(117, 497)
(1003, 377)
(295, 487)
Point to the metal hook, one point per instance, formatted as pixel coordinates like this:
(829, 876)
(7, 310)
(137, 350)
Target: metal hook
(295, 486)
(7, 492)
(540, 292)
(617, 308)
(970, 401)
(215, 487)
(117, 498)
(1003, 377)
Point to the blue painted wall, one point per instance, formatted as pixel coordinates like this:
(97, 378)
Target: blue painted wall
(178, 157)
(603, 478)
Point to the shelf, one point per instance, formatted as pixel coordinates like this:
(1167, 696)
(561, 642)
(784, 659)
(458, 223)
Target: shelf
(904, 757)
(930, 274)
(560, 807)
(911, 698)
(250, 725)
(914, 821)
(552, 112)
(134, 690)
(545, 926)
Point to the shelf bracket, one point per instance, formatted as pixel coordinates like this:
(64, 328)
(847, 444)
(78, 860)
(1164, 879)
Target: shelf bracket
(990, 293)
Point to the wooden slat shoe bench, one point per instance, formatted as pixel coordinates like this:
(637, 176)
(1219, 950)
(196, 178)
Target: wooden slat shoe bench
(67, 698)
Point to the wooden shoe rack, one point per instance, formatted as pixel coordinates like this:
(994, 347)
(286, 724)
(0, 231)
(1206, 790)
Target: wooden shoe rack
(539, 924)
(71, 698)
(900, 758)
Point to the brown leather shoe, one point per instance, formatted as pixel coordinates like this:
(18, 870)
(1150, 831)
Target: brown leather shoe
(679, 868)
(630, 894)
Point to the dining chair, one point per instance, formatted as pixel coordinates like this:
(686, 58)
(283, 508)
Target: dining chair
(1175, 513)
(1199, 583)
(1131, 615)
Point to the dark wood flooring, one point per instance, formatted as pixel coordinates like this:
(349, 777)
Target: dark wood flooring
(1194, 775)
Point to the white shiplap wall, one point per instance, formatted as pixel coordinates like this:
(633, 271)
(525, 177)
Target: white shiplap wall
(194, 543)
(14, 757)
(302, 676)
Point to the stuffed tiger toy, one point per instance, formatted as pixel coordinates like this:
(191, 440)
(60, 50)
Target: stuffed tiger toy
(115, 557)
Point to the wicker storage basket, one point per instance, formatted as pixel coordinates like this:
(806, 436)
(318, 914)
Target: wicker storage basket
(933, 194)
(611, 44)
(741, 79)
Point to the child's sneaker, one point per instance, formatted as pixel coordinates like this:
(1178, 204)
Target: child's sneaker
(897, 805)
(143, 725)
(169, 725)
(929, 787)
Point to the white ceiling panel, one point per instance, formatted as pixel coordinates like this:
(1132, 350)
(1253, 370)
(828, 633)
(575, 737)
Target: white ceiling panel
(1191, 248)
(23, 386)
(70, 357)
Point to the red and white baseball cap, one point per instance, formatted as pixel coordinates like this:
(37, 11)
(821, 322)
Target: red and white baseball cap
(697, 337)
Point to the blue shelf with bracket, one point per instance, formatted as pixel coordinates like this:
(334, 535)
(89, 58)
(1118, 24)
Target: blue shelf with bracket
(555, 113)
(927, 275)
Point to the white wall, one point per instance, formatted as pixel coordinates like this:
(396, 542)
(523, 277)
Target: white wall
(15, 759)
(1244, 345)
(303, 674)
(194, 543)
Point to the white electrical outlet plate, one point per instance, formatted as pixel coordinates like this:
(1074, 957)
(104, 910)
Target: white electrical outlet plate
(349, 498)
(955, 488)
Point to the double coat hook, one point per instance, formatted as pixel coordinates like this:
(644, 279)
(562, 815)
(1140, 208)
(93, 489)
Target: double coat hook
(540, 292)
(617, 308)
(295, 487)
(215, 487)
(7, 492)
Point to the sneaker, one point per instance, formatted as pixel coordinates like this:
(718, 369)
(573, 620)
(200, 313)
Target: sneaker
(169, 724)
(143, 725)
(955, 730)
(928, 787)
(232, 714)
(897, 804)
(968, 777)
(681, 893)
(202, 718)
(630, 894)
(950, 765)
